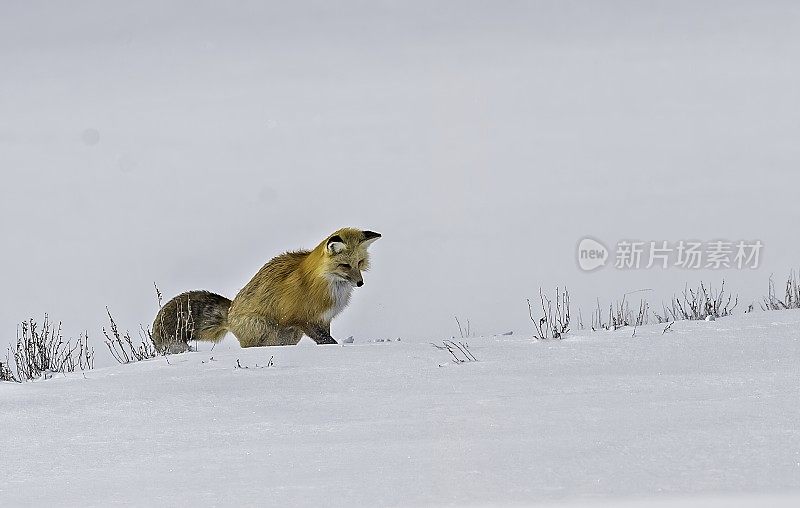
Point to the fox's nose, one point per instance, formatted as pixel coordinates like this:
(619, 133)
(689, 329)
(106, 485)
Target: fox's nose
(360, 283)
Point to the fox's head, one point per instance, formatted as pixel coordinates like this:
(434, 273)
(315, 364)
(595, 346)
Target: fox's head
(346, 255)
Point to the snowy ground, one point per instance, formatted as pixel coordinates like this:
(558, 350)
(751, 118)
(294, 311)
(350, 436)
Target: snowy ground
(704, 415)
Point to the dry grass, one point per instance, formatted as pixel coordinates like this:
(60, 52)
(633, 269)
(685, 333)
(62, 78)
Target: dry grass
(791, 295)
(122, 346)
(40, 352)
(555, 319)
(620, 314)
(699, 304)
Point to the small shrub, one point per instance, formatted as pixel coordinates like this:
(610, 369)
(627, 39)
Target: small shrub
(122, 347)
(699, 304)
(554, 323)
(621, 315)
(40, 352)
(791, 295)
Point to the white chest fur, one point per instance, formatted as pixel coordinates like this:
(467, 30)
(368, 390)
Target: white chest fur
(340, 294)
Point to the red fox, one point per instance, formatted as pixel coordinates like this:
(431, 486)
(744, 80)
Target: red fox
(293, 294)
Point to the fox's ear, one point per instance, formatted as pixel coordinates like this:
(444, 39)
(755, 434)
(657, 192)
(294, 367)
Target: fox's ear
(335, 244)
(369, 237)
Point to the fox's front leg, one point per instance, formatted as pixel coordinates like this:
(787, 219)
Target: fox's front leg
(321, 334)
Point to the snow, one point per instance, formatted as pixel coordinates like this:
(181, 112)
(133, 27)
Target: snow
(703, 415)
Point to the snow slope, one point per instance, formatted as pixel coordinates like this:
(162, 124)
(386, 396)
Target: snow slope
(704, 415)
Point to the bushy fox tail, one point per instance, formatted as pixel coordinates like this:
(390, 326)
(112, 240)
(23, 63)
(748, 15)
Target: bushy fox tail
(194, 315)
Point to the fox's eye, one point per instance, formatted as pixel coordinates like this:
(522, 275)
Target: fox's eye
(344, 266)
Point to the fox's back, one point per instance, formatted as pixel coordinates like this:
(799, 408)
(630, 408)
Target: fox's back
(285, 290)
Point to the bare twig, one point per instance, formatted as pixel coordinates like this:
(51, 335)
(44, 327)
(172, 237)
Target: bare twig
(122, 347)
(464, 332)
(458, 350)
(158, 295)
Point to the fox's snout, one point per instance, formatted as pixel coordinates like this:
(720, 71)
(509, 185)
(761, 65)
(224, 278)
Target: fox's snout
(356, 280)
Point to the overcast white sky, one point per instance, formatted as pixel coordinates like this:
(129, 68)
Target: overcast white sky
(189, 142)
